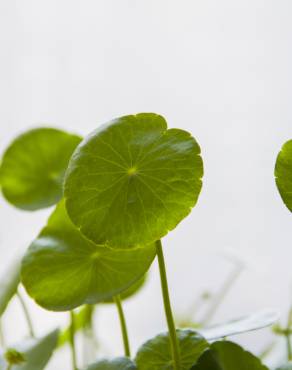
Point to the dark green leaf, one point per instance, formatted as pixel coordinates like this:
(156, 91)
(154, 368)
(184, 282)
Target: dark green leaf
(9, 282)
(63, 270)
(283, 173)
(248, 323)
(156, 353)
(285, 367)
(33, 167)
(36, 353)
(121, 363)
(131, 181)
(228, 356)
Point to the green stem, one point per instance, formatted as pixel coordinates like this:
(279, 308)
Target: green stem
(167, 308)
(288, 336)
(26, 314)
(123, 324)
(72, 340)
(9, 367)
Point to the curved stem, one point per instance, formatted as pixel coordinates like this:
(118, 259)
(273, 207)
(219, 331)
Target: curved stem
(118, 303)
(26, 314)
(167, 308)
(72, 340)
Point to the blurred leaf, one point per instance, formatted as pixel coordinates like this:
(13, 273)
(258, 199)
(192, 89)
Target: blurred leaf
(132, 181)
(82, 320)
(283, 173)
(226, 355)
(63, 270)
(9, 282)
(33, 167)
(156, 353)
(286, 367)
(121, 363)
(36, 352)
(245, 324)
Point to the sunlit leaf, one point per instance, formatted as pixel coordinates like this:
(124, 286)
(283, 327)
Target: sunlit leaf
(132, 180)
(121, 363)
(33, 166)
(226, 355)
(251, 322)
(9, 282)
(36, 352)
(156, 353)
(283, 173)
(63, 270)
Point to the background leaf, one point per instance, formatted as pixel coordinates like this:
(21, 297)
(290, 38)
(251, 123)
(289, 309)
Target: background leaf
(156, 353)
(226, 355)
(63, 270)
(121, 363)
(283, 173)
(130, 182)
(285, 367)
(33, 166)
(251, 322)
(9, 282)
(37, 352)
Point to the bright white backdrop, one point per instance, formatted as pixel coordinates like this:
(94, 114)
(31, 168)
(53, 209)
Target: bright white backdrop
(220, 69)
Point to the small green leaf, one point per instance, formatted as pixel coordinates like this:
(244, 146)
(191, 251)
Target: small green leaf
(245, 324)
(33, 167)
(36, 353)
(283, 173)
(131, 181)
(228, 356)
(286, 367)
(156, 353)
(121, 363)
(63, 270)
(9, 282)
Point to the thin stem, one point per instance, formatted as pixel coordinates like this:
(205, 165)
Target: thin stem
(288, 335)
(167, 308)
(123, 324)
(2, 337)
(26, 314)
(72, 340)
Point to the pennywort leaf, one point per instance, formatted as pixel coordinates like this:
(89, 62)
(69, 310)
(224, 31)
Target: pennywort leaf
(33, 167)
(133, 180)
(121, 363)
(156, 353)
(226, 355)
(283, 173)
(63, 270)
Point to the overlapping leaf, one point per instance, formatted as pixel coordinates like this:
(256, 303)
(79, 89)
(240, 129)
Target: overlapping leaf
(131, 181)
(156, 353)
(33, 167)
(121, 363)
(283, 173)
(63, 270)
(226, 355)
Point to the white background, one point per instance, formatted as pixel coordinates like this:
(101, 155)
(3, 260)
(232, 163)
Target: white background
(220, 69)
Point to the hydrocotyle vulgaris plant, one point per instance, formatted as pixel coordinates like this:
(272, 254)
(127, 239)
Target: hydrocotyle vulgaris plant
(126, 186)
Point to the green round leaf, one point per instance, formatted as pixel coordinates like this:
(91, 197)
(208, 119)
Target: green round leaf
(33, 167)
(63, 270)
(228, 356)
(286, 367)
(156, 353)
(245, 324)
(131, 181)
(283, 174)
(121, 363)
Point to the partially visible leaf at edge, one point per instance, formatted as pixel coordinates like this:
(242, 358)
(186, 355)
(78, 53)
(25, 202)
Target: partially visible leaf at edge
(121, 363)
(283, 173)
(285, 367)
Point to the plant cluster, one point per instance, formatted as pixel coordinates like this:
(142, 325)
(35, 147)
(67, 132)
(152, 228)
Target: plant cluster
(117, 193)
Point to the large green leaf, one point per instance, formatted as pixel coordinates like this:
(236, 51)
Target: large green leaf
(9, 282)
(132, 180)
(156, 353)
(36, 353)
(251, 322)
(63, 270)
(228, 356)
(283, 173)
(33, 167)
(121, 363)
(285, 367)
